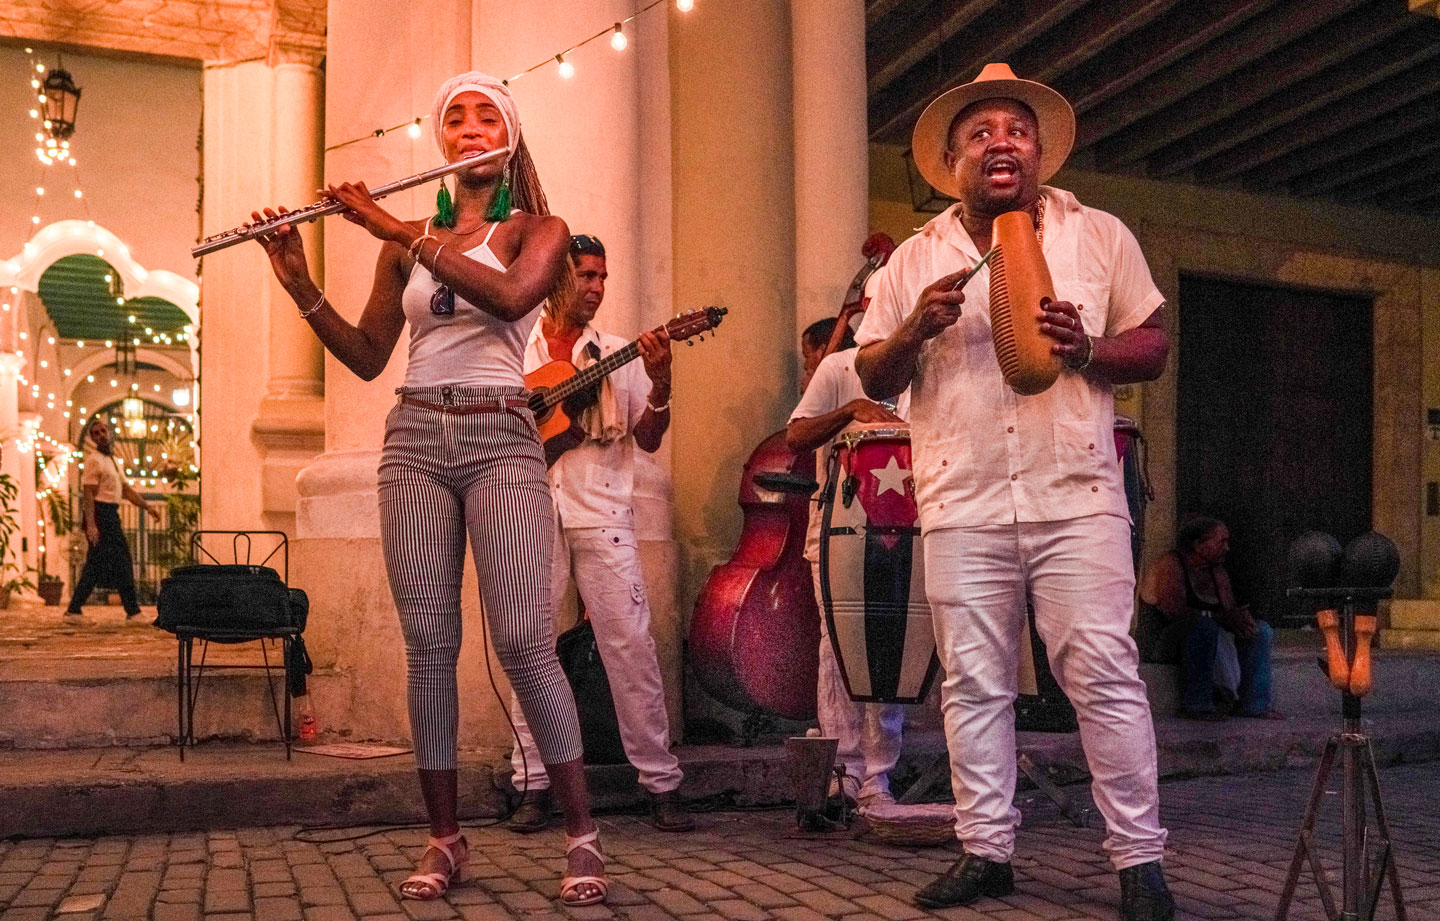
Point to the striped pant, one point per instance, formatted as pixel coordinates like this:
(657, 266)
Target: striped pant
(443, 475)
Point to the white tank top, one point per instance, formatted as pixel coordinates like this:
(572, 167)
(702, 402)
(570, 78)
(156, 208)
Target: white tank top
(469, 348)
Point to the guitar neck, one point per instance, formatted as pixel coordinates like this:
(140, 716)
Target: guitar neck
(589, 377)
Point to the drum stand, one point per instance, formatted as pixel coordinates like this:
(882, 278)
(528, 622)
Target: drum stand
(1362, 878)
(940, 769)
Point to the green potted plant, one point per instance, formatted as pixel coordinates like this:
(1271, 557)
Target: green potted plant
(62, 522)
(50, 588)
(13, 576)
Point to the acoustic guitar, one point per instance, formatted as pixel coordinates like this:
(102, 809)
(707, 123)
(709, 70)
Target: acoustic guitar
(559, 392)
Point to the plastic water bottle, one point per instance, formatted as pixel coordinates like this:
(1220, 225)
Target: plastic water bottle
(309, 728)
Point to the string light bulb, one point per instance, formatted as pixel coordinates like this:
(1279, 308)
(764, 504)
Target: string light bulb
(684, 6)
(618, 41)
(414, 129)
(564, 68)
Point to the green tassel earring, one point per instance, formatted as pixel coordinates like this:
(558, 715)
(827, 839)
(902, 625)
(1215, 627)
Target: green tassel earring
(500, 207)
(444, 207)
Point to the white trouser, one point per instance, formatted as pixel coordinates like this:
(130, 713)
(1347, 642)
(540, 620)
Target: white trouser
(1080, 578)
(606, 566)
(869, 734)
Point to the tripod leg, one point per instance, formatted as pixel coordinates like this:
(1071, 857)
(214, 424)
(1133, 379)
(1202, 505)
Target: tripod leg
(1075, 813)
(1302, 843)
(940, 767)
(1388, 864)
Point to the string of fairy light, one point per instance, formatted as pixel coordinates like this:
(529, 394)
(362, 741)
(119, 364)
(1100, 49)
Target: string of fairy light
(564, 66)
(51, 152)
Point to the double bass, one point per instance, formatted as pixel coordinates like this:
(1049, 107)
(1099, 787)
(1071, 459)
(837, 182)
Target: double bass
(755, 636)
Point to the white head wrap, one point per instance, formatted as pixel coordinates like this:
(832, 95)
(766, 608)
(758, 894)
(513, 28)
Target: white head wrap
(475, 81)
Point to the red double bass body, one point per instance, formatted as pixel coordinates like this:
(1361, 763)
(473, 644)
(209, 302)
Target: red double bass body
(755, 636)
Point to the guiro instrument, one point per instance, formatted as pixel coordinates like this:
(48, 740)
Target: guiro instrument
(1019, 282)
(330, 206)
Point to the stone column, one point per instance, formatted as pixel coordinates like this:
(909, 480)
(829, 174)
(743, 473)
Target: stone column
(832, 174)
(601, 145)
(12, 462)
(236, 292)
(29, 424)
(290, 424)
(734, 246)
(384, 61)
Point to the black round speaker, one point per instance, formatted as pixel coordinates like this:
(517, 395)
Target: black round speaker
(1370, 561)
(1313, 560)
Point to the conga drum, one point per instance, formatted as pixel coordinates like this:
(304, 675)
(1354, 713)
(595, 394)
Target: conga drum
(872, 569)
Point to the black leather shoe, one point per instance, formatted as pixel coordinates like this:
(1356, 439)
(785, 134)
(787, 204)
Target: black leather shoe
(1144, 895)
(967, 880)
(533, 813)
(668, 812)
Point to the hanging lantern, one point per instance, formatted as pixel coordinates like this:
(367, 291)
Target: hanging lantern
(62, 98)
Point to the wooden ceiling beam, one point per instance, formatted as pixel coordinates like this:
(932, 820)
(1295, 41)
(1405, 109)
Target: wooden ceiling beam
(1357, 175)
(876, 10)
(909, 35)
(1420, 170)
(1387, 110)
(1093, 30)
(996, 36)
(1337, 142)
(1191, 27)
(1312, 95)
(1257, 38)
(1421, 195)
(1349, 35)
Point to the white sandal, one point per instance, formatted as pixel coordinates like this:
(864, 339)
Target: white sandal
(571, 885)
(438, 883)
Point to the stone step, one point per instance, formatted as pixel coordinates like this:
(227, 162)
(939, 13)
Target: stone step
(121, 790)
(1405, 680)
(86, 703)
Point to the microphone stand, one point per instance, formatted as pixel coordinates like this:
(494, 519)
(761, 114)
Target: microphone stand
(1359, 892)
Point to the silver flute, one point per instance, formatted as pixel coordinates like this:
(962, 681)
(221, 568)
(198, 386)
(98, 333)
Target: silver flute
(331, 206)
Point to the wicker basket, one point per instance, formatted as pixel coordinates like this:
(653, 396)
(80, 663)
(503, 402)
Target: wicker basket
(927, 825)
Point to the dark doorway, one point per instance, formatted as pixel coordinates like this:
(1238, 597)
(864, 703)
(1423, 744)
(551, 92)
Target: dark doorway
(1274, 422)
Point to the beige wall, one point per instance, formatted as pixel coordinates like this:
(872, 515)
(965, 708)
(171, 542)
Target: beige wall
(1184, 229)
(136, 143)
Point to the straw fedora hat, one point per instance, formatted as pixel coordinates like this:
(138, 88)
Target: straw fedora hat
(996, 81)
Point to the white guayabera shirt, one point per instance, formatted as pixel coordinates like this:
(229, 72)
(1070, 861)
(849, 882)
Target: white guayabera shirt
(983, 454)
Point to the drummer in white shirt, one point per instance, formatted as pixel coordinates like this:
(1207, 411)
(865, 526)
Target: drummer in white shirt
(869, 734)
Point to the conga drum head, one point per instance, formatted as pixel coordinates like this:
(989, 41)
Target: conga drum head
(872, 573)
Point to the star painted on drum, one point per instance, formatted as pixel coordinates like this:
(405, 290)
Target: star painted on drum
(891, 477)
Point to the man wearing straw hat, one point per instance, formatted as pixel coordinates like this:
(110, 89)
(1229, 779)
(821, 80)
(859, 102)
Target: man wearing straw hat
(1021, 497)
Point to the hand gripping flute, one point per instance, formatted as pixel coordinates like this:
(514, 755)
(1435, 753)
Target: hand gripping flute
(326, 206)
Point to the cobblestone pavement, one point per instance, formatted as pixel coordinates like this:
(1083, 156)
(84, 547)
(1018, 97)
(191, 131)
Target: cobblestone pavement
(1230, 842)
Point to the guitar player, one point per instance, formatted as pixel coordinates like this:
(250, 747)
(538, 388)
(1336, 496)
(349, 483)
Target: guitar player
(595, 537)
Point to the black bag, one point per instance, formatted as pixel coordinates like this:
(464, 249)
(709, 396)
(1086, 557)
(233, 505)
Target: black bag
(580, 659)
(221, 599)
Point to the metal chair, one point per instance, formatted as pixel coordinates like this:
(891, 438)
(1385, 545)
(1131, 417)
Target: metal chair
(189, 674)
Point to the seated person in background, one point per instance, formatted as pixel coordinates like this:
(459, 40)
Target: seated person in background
(1186, 601)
